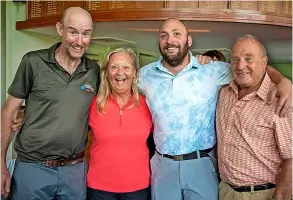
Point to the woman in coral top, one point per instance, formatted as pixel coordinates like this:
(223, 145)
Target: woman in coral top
(121, 123)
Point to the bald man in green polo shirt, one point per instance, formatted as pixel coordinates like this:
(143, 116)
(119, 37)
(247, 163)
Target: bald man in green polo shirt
(58, 85)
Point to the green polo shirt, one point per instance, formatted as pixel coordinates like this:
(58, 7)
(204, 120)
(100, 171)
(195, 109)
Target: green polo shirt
(57, 104)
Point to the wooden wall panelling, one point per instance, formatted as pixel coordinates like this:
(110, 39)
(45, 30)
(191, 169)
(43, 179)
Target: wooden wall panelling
(39, 9)
(67, 4)
(150, 4)
(270, 7)
(287, 8)
(53, 8)
(182, 4)
(96, 5)
(243, 5)
(219, 5)
(121, 5)
(35, 9)
(268, 12)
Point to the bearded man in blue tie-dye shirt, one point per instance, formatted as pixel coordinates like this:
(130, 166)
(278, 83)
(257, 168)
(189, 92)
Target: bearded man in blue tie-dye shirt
(182, 97)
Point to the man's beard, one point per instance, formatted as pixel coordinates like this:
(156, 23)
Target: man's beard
(175, 60)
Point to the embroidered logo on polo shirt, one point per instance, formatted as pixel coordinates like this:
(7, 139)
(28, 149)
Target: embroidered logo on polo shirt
(87, 87)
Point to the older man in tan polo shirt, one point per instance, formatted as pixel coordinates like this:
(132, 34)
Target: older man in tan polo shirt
(254, 144)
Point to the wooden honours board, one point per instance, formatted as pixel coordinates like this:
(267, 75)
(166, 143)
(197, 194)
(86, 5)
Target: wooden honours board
(287, 8)
(120, 5)
(150, 5)
(219, 5)
(39, 9)
(94, 6)
(67, 4)
(270, 7)
(35, 9)
(243, 5)
(182, 4)
(44, 13)
(53, 8)
(197, 4)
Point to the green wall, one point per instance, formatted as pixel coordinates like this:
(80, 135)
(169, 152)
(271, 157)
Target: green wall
(19, 42)
(284, 68)
(2, 50)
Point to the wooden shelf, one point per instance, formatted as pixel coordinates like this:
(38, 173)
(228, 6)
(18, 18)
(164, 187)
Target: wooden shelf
(201, 14)
(47, 13)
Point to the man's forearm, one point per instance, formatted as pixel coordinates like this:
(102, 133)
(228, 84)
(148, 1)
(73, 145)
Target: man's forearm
(6, 132)
(274, 75)
(284, 185)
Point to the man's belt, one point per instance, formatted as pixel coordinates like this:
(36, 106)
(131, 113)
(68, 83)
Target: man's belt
(188, 156)
(252, 188)
(78, 158)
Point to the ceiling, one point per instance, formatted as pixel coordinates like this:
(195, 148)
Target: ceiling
(277, 39)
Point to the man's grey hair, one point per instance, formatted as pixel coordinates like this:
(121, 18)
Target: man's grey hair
(251, 37)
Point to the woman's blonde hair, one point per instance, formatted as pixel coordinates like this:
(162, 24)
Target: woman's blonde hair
(104, 88)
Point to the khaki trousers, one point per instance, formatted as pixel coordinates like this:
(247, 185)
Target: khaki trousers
(227, 193)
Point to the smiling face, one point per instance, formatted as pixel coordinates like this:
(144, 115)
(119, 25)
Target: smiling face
(120, 73)
(174, 42)
(75, 30)
(248, 63)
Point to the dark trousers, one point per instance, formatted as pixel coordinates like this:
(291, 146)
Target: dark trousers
(93, 194)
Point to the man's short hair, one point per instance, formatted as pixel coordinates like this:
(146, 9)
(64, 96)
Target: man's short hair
(251, 37)
(177, 20)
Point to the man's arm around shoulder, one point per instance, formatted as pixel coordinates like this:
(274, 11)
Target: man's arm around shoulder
(8, 114)
(284, 88)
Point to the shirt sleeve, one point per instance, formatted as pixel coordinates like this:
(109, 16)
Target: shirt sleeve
(283, 134)
(23, 80)
(223, 73)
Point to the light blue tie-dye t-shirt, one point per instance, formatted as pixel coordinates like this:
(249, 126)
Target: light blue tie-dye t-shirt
(183, 105)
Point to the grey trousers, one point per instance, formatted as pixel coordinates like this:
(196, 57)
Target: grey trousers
(188, 179)
(37, 181)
